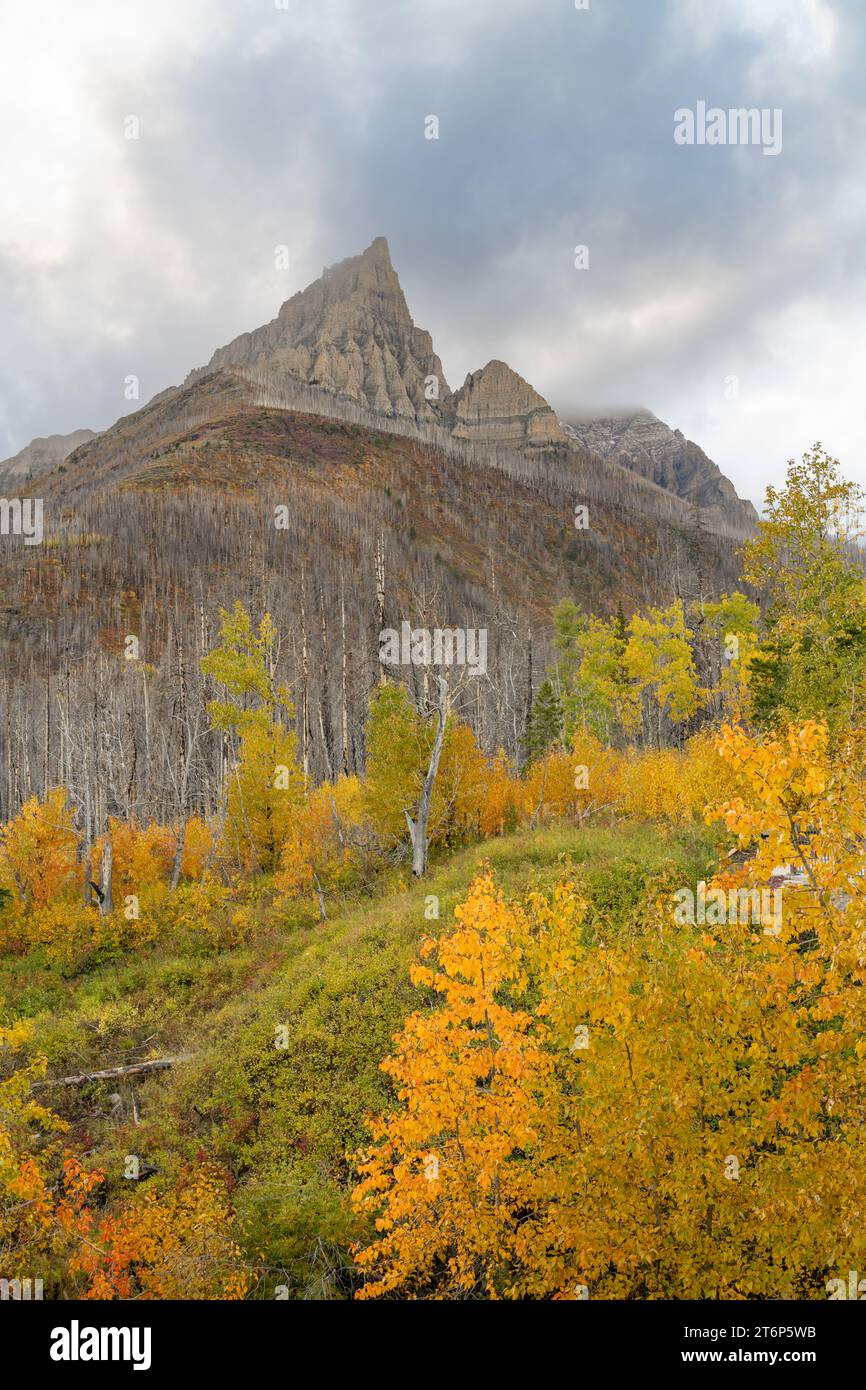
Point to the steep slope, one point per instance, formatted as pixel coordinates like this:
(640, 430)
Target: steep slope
(154, 539)
(497, 406)
(350, 333)
(40, 456)
(456, 512)
(645, 444)
(346, 347)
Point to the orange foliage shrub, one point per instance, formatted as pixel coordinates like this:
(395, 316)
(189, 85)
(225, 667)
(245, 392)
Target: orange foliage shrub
(596, 766)
(196, 847)
(549, 789)
(44, 1194)
(66, 931)
(321, 844)
(177, 1245)
(460, 787)
(143, 855)
(670, 784)
(502, 800)
(38, 851)
(649, 786)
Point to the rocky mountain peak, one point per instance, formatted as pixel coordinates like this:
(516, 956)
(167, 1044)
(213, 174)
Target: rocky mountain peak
(41, 456)
(638, 440)
(378, 253)
(498, 406)
(350, 333)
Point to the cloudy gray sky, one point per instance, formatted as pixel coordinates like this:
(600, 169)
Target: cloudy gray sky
(304, 125)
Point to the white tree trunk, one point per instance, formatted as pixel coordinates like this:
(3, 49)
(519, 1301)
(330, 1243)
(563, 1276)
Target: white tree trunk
(418, 829)
(106, 899)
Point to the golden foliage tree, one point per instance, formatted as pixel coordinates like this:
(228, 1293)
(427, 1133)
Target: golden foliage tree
(265, 785)
(442, 1172)
(663, 1110)
(326, 845)
(38, 850)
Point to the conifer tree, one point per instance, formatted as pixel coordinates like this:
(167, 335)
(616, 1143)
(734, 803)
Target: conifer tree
(545, 722)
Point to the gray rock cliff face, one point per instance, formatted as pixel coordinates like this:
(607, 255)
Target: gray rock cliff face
(497, 406)
(640, 441)
(350, 333)
(349, 337)
(40, 456)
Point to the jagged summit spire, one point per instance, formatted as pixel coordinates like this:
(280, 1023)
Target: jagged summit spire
(374, 260)
(378, 250)
(350, 332)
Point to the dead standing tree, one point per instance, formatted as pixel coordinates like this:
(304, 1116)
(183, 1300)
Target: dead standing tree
(419, 827)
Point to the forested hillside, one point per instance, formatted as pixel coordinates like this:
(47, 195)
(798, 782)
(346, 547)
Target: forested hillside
(319, 469)
(336, 529)
(323, 977)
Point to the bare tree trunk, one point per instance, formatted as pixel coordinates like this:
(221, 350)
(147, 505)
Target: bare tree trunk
(134, 1069)
(185, 756)
(527, 713)
(305, 690)
(106, 873)
(223, 812)
(88, 841)
(47, 743)
(418, 829)
(323, 917)
(344, 714)
(325, 726)
(146, 777)
(9, 807)
(133, 763)
(380, 595)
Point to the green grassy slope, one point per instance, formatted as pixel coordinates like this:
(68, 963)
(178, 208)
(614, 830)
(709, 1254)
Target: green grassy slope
(281, 1120)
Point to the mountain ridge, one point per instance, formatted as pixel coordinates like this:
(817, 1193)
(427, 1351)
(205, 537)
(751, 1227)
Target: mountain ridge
(462, 513)
(41, 455)
(347, 343)
(349, 332)
(639, 440)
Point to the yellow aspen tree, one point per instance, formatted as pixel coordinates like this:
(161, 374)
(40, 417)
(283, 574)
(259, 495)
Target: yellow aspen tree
(449, 1173)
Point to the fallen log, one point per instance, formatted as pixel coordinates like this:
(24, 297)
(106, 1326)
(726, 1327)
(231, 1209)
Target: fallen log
(134, 1069)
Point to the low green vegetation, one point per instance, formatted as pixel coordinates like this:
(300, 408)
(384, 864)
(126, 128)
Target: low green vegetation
(280, 1110)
